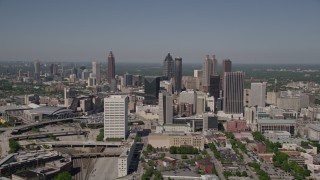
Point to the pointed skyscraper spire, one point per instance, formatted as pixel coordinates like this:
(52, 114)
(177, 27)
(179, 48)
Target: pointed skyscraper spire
(111, 67)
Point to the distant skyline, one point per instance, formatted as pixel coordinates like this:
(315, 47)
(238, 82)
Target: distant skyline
(247, 31)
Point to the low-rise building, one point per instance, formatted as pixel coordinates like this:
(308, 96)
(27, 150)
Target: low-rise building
(166, 141)
(265, 125)
(313, 132)
(237, 126)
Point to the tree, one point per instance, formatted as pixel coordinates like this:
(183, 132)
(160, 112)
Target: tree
(214, 171)
(83, 125)
(149, 148)
(184, 156)
(220, 127)
(226, 174)
(63, 176)
(238, 173)
(244, 174)
(14, 146)
(162, 155)
(100, 136)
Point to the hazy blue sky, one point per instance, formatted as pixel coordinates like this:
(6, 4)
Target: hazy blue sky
(246, 31)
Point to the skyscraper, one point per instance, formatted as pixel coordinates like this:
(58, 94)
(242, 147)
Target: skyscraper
(168, 67)
(116, 117)
(226, 67)
(151, 89)
(37, 69)
(214, 65)
(111, 67)
(177, 74)
(233, 92)
(165, 108)
(53, 69)
(209, 69)
(258, 94)
(214, 88)
(128, 78)
(96, 71)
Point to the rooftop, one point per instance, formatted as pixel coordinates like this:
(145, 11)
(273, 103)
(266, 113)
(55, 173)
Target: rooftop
(180, 173)
(315, 127)
(50, 110)
(276, 121)
(13, 107)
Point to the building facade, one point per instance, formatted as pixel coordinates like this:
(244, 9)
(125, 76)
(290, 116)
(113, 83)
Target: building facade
(151, 89)
(258, 94)
(178, 74)
(111, 68)
(96, 71)
(168, 67)
(116, 117)
(165, 108)
(233, 92)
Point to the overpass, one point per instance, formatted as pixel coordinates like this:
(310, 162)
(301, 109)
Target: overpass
(95, 155)
(18, 129)
(48, 134)
(83, 144)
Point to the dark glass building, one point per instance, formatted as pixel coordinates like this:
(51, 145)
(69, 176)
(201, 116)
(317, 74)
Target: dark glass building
(151, 89)
(177, 74)
(168, 67)
(214, 88)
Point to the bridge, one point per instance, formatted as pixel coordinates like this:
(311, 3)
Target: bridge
(25, 127)
(95, 155)
(82, 144)
(48, 134)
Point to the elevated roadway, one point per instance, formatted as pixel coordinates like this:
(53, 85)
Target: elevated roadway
(17, 129)
(95, 155)
(48, 134)
(82, 144)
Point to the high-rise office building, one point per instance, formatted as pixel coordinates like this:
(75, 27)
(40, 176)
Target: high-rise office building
(226, 67)
(209, 69)
(96, 71)
(168, 67)
(178, 74)
(233, 92)
(214, 65)
(116, 117)
(165, 108)
(53, 69)
(37, 69)
(128, 78)
(258, 94)
(111, 68)
(151, 89)
(214, 88)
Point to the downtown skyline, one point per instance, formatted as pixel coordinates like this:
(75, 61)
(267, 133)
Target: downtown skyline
(270, 32)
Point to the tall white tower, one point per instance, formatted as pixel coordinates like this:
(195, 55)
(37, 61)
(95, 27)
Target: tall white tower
(165, 108)
(258, 94)
(116, 116)
(96, 71)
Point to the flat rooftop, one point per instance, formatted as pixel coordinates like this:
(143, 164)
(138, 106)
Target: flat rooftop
(276, 121)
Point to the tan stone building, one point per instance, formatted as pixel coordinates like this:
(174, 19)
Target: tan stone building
(166, 141)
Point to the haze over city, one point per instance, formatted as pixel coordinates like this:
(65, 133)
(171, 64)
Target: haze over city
(260, 32)
(159, 90)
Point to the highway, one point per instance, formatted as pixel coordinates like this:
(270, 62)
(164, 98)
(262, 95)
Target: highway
(81, 143)
(35, 124)
(48, 134)
(103, 154)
